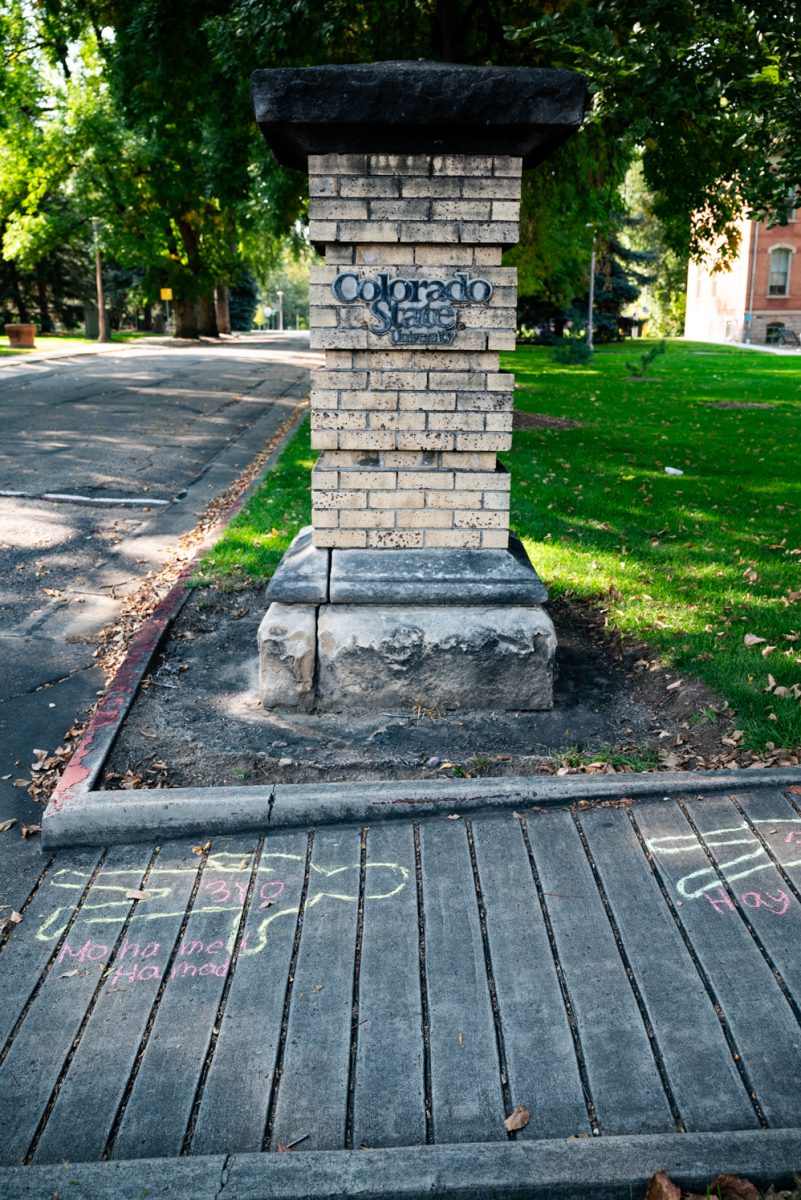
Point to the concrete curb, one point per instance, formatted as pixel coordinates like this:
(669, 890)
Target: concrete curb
(104, 817)
(606, 1168)
(91, 753)
(73, 351)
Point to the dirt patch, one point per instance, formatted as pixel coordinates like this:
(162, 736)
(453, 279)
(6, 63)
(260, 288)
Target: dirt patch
(197, 719)
(527, 420)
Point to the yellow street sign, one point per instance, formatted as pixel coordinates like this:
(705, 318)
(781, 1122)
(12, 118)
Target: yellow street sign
(166, 293)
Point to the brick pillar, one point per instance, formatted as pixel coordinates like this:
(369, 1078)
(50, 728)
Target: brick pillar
(410, 418)
(408, 588)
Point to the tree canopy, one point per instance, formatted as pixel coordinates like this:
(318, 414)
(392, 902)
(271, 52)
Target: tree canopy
(138, 115)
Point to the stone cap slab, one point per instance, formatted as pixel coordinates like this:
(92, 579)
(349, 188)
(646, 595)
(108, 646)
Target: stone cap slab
(458, 577)
(416, 108)
(301, 577)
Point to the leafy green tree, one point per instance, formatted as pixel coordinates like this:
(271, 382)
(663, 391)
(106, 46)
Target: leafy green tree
(708, 88)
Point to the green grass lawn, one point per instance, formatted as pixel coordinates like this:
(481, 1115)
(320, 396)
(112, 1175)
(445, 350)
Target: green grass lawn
(689, 563)
(58, 341)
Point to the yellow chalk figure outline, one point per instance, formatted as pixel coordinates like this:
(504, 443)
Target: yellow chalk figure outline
(692, 843)
(47, 932)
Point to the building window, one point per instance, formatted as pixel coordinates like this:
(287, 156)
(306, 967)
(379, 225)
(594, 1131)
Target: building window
(774, 334)
(779, 271)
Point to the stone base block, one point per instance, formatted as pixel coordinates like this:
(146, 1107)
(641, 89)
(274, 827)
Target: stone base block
(287, 655)
(446, 658)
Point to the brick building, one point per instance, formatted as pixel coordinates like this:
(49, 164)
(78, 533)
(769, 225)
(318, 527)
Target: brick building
(759, 299)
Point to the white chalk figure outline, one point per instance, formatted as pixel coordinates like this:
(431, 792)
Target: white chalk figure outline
(688, 841)
(220, 862)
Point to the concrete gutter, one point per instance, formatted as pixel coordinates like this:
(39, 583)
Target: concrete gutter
(605, 1168)
(101, 818)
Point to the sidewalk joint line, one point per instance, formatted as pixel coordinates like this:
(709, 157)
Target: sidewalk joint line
(218, 1019)
(37, 987)
(560, 975)
(632, 978)
(424, 1009)
(357, 967)
(143, 1041)
(763, 950)
(766, 847)
(272, 1103)
(5, 936)
(76, 1042)
(717, 1007)
(500, 1044)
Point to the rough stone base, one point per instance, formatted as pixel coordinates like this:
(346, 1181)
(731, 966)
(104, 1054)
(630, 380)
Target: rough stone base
(287, 656)
(394, 657)
(437, 657)
(356, 630)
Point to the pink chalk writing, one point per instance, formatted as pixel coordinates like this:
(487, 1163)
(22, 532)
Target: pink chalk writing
(793, 836)
(777, 903)
(721, 901)
(208, 958)
(88, 952)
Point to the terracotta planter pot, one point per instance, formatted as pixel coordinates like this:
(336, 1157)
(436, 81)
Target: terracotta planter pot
(21, 336)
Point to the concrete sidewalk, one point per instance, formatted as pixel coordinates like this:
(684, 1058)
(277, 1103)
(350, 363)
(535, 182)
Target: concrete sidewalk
(379, 995)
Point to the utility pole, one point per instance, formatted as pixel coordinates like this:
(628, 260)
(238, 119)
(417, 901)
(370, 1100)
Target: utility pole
(280, 296)
(102, 331)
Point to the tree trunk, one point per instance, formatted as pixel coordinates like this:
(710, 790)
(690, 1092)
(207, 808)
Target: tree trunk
(147, 318)
(186, 325)
(16, 287)
(45, 320)
(222, 309)
(207, 318)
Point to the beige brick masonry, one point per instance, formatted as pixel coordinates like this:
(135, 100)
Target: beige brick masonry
(411, 407)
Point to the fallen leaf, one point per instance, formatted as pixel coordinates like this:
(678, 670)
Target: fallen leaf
(14, 919)
(672, 686)
(795, 789)
(518, 1118)
(751, 639)
(731, 1187)
(766, 650)
(454, 816)
(446, 766)
(20, 783)
(201, 849)
(69, 974)
(6, 825)
(662, 1188)
(266, 904)
(136, 894)
(751, 575)
(30, 830)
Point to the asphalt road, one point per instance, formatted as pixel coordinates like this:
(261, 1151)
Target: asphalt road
(145, 436)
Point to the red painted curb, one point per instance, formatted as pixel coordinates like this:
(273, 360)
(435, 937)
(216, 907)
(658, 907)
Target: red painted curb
(83, 769)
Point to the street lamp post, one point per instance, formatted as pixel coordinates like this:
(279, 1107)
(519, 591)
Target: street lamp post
(592, 298)
(102, 331)
(280, 296)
